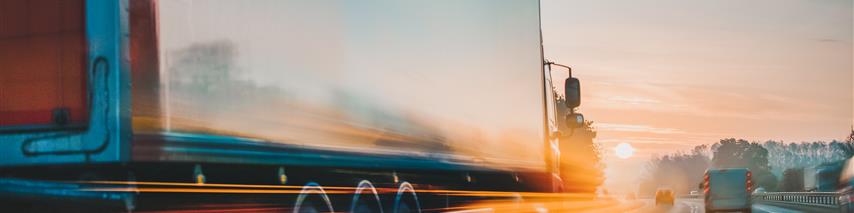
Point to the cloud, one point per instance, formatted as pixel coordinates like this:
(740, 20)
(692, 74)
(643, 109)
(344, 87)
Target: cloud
(635, 128)
(634, 100)
(828, 40)
(738, 102)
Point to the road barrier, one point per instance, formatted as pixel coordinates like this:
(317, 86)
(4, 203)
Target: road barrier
(809, 201)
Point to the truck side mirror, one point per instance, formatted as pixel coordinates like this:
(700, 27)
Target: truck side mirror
(572, 87)
(574, 120)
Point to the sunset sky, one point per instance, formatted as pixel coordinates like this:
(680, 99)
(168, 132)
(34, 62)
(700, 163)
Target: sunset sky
(667, 75)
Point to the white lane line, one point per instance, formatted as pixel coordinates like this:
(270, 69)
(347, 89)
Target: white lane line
(692, 205)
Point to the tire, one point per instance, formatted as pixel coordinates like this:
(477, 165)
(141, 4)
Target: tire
(406, 201)
(366, 199)
(312, 199)
(311, 206)
(363, 208)
(405, 208)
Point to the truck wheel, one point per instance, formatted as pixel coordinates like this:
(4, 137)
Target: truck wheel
(406, 201)
(312, 199)
(405, 208)
(366, 199)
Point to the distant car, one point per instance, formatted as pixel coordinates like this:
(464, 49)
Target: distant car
(664, 196)
(727, 189)
(631, 196)
(759, 190)
(694, 193)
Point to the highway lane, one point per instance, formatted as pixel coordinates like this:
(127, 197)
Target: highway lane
(679, 206)
(691, 205)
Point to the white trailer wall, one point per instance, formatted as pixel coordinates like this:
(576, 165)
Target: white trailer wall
(447, 78)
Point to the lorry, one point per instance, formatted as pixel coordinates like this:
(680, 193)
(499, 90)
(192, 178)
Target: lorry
(324, 106)
(827, 176)
(727, 189)
(823, 178)
(809, 179)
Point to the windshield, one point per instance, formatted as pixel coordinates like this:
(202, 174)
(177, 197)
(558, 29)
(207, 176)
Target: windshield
(728, 184)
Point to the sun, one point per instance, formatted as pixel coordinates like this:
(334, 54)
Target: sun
(624, 150)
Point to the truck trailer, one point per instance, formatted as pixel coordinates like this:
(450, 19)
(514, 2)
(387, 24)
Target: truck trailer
(365, 106)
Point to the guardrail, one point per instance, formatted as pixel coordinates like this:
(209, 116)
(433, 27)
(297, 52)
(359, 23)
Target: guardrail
(824, 201)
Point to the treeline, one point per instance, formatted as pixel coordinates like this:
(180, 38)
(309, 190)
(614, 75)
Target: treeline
(679, 171)
(776, 166)
(801, 155)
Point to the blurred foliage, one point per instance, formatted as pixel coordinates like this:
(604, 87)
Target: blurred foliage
(680, 171)
(739, 153)
(784, 156)
(847, 147)
(582, 169)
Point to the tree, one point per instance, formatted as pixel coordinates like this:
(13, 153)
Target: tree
(767, 161)
(793, 180)
(581, 164)
(782, 156)
(848, 146)
(740, 153)
(850, 138)
(679, 171)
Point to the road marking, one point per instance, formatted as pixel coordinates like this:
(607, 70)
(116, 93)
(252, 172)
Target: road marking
(694, 205)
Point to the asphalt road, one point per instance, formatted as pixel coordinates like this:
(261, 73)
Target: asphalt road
(696, 206)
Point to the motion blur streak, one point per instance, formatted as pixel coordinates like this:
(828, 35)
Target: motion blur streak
(195, 184)
(191, 190)
(474, 210)
(487, 201)
(222, 208)
(227, 210)
(199, 189)
(549, 205)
